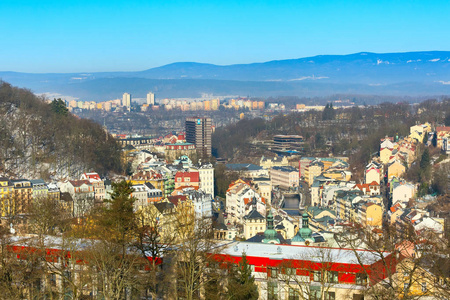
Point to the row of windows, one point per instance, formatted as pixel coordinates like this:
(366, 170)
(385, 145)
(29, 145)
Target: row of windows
(317, 276)
(314, 293)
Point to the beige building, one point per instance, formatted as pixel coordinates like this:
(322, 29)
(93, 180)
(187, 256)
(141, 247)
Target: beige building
(278, 161)
(284, 177)
(254, 223)
(373, 172)
(126, 100)
(313, 170)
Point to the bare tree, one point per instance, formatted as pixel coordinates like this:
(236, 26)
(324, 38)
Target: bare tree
(194, 255)
(311, 275)
(404, 260)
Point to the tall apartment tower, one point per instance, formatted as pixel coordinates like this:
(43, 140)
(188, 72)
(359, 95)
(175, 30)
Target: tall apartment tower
(126, 100)
(198, 132)
(150, 98)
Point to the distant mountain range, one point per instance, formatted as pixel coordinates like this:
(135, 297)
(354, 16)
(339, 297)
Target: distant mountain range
(410, 73)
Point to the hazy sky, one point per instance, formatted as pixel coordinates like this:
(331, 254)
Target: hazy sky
(78, 35)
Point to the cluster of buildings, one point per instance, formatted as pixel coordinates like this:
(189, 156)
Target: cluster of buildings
(124, 103)
(194, 141)
(171, 104)
(284, 215)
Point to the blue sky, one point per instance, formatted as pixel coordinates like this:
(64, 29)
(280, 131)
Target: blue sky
(88, 36)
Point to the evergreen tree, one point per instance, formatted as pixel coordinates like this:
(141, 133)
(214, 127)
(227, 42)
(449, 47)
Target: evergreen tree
(434, 140)
(59, 107)
(241, 283)
(328, 113)
(425, 160)
(118, 218)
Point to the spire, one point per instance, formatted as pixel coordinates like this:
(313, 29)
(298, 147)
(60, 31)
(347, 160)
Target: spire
(305, 220)
(305, 231)
(270, 233)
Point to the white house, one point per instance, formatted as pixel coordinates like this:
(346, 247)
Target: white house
(402, 192)
(239, 194)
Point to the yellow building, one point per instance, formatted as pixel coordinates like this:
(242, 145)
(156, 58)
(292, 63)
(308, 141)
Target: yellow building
(396, 169)
(371, 214)
(6, 197)
(207, 105)
(312, 171)
(417, 132)
(416, 278)
(215, 103)
(22, 195)
(338, 175)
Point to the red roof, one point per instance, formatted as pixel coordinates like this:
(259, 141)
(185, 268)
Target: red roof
(176, 199)
(78, 183)
(93, 176)
(443, 128)
(193, 176)
(373, 168)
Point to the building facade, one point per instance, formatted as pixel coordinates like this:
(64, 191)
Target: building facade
(198, 132)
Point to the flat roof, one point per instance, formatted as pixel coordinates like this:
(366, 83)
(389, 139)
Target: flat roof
(309, 253)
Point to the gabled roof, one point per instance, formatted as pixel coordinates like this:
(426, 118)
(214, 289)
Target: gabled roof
(193, 176)
(163, 206)
(176, 199)
(78, 183)
(92, 176)
(254, 215)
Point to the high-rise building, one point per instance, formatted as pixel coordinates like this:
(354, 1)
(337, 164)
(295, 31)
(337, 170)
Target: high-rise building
(150, 98)
(126, 100)
(198, 132)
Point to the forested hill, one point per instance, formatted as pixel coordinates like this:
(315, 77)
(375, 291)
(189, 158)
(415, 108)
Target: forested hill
(41, 140)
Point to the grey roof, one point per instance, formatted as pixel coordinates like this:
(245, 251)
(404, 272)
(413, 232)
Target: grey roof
(238, 167)
(325, 220)
(37, 181)
(285, 169)
(254, 214)
(314, 210)
(259, 237)
(163, 206)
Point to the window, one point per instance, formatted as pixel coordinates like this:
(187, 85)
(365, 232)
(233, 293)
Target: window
(291, 271)
(272, 272)
(330, 296)
(52, 279)
(361, 279)
(424, 286)
(293, 294)
(317, 276)
(314, 293)
(272, 290)
(332, 277)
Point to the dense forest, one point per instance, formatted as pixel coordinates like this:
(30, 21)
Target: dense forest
(42, 140)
